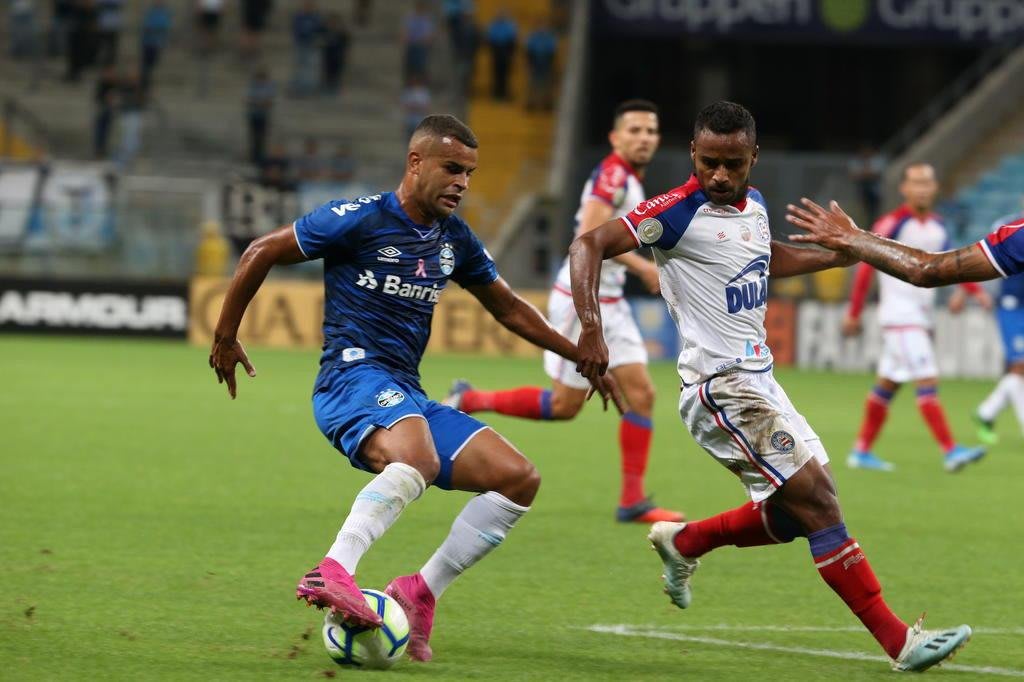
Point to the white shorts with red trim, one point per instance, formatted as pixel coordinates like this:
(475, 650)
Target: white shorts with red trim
(747, 422)
(625, 344)
(907, 355)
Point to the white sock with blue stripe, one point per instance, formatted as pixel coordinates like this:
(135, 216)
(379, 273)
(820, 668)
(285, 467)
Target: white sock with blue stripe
(375, 508)
(480, 527)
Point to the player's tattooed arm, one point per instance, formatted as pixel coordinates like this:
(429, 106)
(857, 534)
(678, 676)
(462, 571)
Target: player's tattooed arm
(789, 261)
(835, 230)
(522, 318)
(276, 248)
(585, 256)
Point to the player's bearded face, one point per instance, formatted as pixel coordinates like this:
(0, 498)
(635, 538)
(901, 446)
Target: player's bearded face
(444, 177)
(636, 137)
(722, 163)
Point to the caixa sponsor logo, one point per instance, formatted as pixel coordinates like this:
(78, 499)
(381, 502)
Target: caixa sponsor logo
(661, 200)
(741, 295)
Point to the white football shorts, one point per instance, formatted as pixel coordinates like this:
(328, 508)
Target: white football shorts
(907, 355)
(747, 422)
(625, 345)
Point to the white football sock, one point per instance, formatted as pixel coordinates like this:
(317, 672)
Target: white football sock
(997, 399)
(480, 527)
(1016, 391)
(376, 507)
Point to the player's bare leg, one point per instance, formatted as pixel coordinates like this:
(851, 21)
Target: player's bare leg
(405, 461)
(810, 498)
(635, 433)
(956, 456)
(507, 483)
(876, 410)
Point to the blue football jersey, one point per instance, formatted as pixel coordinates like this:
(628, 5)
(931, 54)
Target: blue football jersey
(383, 274)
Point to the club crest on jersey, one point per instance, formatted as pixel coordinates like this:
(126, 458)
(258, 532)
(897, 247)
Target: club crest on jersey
(763, 233)
(739, 295)
(782, 441)
(447, 260)
(389, 398)
(650, 230)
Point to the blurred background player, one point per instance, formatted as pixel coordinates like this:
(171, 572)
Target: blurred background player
(713, 246)
(612, 190)
(905, 314)
(1010, 316)
(367, 399)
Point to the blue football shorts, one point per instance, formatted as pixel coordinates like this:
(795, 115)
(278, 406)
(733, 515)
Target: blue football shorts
(351, 402)
(1011, 327)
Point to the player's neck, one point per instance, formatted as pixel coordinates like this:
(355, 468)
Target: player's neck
(919, 213)
(410, 207)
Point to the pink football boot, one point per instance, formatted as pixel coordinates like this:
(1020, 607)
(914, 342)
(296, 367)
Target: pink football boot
(330, 585)
(416, 599)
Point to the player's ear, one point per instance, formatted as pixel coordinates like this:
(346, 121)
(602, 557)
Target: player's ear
(693, 153)
(413, 162)
(753, 158)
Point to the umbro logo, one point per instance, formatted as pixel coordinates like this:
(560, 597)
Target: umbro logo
(389, 254)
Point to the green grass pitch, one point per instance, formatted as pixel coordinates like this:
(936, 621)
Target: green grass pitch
(153, 529)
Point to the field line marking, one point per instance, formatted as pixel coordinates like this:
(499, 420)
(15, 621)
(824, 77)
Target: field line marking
(727, 627)
(630, 631)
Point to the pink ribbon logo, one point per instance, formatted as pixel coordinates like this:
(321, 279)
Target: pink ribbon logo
(421, 268)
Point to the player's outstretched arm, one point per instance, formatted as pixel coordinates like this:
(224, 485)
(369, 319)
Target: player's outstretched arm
(789, 261)
(835, 230)
(585, 255)
(522, 318)
(276, 248)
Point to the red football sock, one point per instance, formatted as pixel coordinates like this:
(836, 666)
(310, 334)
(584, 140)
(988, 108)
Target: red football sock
(935, 417)
(529, 402)
(751, 525)
(635, 447)
(876, 409)
(848, 573)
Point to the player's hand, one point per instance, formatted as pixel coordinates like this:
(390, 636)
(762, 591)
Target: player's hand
(224, 355)
(650, 279)
(957, 301)
(832, 228)
(592, 358)
(608, 388)
(852, 326)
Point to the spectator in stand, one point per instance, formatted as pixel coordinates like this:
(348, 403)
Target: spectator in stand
(417, 39)
(81, 35)
(541, 46)
(332, 56)
(342, 166)
(415, 104)
(307, 26)
(130, 119)
(156, 28)
(361, 13)
(109, 22)
(259, 104)
(454, 12)
(254, 21)
(502, 36)
(275, 169)
(465, 54)
(310, 166)
(60, 19)
(208, 19)
(22, 28)
(106, 104)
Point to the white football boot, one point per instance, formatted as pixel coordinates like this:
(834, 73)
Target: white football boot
(678, 568)
(925, 648)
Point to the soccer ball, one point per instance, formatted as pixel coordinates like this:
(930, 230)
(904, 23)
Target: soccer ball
(373, 648)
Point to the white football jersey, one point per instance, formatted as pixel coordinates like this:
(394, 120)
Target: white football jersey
(901, 304)
(614, 182)
(713, 265)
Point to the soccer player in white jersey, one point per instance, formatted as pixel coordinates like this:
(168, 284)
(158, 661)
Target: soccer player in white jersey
(612, 190)
(714, 250)
(905, 314)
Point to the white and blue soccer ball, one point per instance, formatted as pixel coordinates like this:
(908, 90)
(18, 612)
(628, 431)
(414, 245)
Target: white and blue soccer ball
(372, 648)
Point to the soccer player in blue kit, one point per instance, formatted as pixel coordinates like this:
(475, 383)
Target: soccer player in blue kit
(387, 258)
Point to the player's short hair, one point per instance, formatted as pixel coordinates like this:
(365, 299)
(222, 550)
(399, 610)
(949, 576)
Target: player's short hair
(725, 117)
(633, 105)
(913, 164)
(446, 125)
